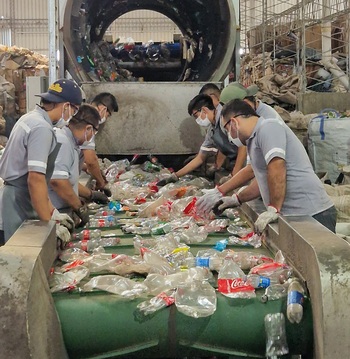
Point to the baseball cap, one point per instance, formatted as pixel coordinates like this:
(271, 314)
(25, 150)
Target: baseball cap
(63, 90)
(236, 91)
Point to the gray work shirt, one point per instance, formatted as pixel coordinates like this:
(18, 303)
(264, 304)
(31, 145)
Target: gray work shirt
(266, 111)
(31, 141)
(66, 165)
(305, 194)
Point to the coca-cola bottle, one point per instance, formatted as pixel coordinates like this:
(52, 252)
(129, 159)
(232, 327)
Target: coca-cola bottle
(89, 245)
(87, 234)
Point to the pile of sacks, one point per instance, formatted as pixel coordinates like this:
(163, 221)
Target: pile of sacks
(16, 63)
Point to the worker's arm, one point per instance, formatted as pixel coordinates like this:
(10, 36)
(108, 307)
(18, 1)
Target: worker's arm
(84, 191)
(240, 160)
(65, 190)
(276, 180)
(191, 166)
(39, 195)
(250, 192)
(91, 161)
(238, 180)
(219, 160)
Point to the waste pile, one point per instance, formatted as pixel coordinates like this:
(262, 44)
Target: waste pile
(16, 63)
(177, 255)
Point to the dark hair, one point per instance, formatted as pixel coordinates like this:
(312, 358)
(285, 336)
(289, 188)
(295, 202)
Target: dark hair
(86, 114)
(200, 101)
(106, 99)
(210, 89)
(237, 107)
(250, 98)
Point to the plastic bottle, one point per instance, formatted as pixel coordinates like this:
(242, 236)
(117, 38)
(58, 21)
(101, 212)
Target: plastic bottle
(157, 262)
(104, 212)
(276, 340)
(213, 263)
(258, 281)
(89, 245)
(87, 234)
(162, 300)
(295, 301)
(274, 292)
(106, 221)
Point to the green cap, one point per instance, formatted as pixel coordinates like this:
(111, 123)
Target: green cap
(236, 91)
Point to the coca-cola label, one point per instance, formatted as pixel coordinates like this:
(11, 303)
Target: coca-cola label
(86, 234)
(167, 299)
(233, 285)
(101, 223)
(84, 246)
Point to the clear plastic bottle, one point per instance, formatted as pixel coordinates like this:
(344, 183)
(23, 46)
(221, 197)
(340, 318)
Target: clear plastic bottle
(258, 281)
(295, 301)
(276, 340)
(99, 222)
(91, 244)
(213, 263)
(162, 300)
(103, 212)
(274, 292)
(157, 262)
(87, 234)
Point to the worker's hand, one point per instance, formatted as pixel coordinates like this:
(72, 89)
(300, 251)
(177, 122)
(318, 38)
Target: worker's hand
(210, 172)
(225, 179)
(83, 214)
(171, 179)
(226, 202)
(63, 236)
(99, 197)
(207, 201)
(63, 219)
(271, 215)
(106, 191)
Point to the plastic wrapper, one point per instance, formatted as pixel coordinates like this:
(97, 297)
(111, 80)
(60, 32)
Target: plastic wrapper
(68, 280)
(161, 300)
(196, 299)
(116, 284)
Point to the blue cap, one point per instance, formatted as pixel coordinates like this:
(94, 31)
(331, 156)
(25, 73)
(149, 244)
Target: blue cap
(63, 90)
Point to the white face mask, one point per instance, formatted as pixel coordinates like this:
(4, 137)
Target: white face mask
(62, 122)
(235, 141)
(204, 123)
(87, 142)
(103, 120)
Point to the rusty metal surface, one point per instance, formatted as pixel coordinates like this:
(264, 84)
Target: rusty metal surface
(29, 326)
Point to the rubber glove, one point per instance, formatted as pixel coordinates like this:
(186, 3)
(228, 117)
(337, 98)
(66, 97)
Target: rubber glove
(107, 191)
(271, 215)
(207, 201)
(226, 202)
(171, 179)
(99, 197)
(83, 214)
(63, 235)
(63, 219)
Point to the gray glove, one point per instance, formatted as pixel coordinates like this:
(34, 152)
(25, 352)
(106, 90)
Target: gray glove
(106, 191)
(226, 202)
(171, 179)
(63, 219)
(63, 235)
(83, 215)
(271, 215)
(99, 197)
(207, 202)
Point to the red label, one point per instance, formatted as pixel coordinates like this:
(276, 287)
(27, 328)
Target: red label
(101, 223)
(86, 234)
(233, 285)
(84, 245)
(168, 300)
(76, 263)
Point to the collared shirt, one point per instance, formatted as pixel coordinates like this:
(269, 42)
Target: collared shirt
(66, 164)
(31, 141)
(305, 194)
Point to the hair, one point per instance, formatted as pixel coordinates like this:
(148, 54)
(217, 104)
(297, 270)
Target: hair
(86, 114)
(235, 107)
(250, 98)
(106, 99)
(210, 89)
(200, 101)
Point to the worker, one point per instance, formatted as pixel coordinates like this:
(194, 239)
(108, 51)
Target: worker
(232, 92)
(64, 188)
(284, 175)
(29, 157)
(106, 104)
(201, 107)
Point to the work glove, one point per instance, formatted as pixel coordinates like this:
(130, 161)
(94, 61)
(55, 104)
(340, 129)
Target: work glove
(63, 219)
(225, 179)
(210, 172)
(63, 236)
(106, 191)
(83, 214)
(99, 197)
(171, 179)
(207, 201)
(271, 215)
(226, 202)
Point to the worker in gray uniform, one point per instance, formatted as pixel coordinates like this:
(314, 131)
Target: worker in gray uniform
(201, 108)
(284, 175)
(28, 161)
(64, 188)
(232, 92)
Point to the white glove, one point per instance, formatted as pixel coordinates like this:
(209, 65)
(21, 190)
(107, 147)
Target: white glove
(63, 235)
(63, 219)
(206, 203)
(226, 202)
(271, 215)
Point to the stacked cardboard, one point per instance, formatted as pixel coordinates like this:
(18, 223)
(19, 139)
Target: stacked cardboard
(16, 63)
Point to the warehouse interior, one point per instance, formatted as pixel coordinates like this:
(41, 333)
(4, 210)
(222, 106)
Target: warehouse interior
(154, 56)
